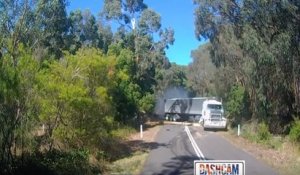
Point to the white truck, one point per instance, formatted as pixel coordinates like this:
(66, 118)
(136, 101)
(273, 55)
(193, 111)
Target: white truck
(206, 110)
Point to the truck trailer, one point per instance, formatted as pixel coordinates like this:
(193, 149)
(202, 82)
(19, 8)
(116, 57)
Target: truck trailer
(206, 110)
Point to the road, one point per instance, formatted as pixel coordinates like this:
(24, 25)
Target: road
(176, 154)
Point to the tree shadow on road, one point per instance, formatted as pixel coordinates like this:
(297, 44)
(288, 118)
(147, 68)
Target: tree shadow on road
(128, 148)
(179, 165)
(139, 145)
(215, 130)
(151, 124)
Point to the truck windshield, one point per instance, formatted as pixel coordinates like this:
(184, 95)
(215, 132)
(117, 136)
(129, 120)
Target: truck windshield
(214, 106)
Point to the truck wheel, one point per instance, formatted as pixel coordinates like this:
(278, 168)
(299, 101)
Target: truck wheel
(204, 128)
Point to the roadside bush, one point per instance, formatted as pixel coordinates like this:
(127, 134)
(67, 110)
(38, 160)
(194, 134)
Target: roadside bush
(235, 100)
(122, 132)
(259, 133)
(74, 162)
(263, 133)
(247, 131)
(295, 131)
(237, 105)
(56, 163)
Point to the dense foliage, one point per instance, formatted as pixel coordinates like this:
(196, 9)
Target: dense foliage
(70, 88)
(254, 45)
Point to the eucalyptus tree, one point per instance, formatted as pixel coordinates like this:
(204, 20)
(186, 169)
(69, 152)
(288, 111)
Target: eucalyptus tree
(106, 36)
(83, 31)
(202, 72)
(51, 22)
(137, 20)
(16, 26)
(16, 34)
(138, 28)
(256, 41)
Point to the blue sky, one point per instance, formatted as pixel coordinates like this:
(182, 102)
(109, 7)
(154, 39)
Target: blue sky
(177, 14)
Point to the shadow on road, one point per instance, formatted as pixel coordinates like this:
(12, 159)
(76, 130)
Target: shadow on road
(215, 130)
(128, 148)
(152, 124)
(139, 145)
(179, 165)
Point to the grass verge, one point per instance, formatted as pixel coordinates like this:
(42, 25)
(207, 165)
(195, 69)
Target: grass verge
(278, 151)
(291, 165)
(130, 165)
(133, 160)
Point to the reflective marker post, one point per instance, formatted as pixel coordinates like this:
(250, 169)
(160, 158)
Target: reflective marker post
(141, 131)
(238, 130)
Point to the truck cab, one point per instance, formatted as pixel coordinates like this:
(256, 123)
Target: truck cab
(213, 115)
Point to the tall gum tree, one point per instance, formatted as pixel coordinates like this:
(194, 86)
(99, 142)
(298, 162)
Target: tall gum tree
(138, 27)
(254, 39)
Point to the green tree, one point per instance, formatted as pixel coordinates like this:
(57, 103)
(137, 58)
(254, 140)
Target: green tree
(202, 72)
(52, 25)
(17, 100)
(254, 42)
(137, 27)
(75, 103)
(126, 93)
(83, 31)
(174, 76)
(16, 21)
(106, 36)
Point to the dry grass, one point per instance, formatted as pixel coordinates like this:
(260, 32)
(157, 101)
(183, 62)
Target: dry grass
(130, 165)
(134, 163)
(285, 157)
(150, 131)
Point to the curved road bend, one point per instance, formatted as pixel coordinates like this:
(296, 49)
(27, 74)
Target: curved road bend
(175, 153)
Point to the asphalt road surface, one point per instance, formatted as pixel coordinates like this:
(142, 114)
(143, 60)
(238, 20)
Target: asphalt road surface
(175, 153)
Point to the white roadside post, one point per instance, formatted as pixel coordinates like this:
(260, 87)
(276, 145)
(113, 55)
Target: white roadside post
(141, 131)
(239, 130)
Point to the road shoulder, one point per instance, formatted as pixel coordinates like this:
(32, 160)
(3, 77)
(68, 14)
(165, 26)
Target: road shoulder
(139, 148)
(281, 159)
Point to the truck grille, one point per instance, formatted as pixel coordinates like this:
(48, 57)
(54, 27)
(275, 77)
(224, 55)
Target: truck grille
(216, 117)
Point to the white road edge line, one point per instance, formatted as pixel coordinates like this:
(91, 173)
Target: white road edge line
(195, 149)
(194, 144)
